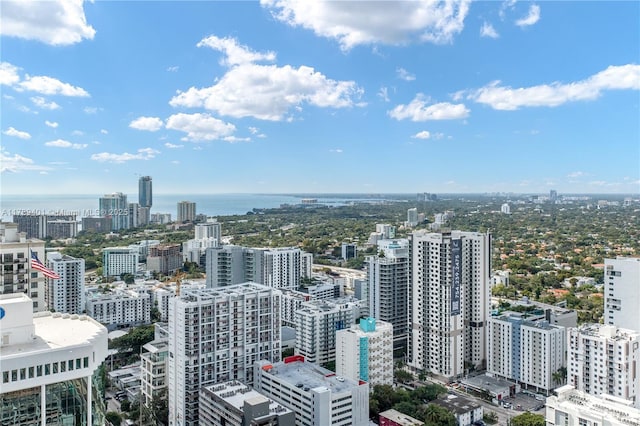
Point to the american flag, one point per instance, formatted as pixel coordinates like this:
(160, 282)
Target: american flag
(39, 266)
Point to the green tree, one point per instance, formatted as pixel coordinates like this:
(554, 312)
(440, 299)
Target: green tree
(114, 418)
(125, 405)
(528, 419)
(436, 415)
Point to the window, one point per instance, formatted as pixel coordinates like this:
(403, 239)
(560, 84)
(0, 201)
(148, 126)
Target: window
(5, 377)
(39, 370)
(31, 372)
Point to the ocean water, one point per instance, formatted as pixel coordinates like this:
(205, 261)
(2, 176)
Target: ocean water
(211, 204)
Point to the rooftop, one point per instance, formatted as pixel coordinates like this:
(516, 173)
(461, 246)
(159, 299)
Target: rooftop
(400, 418)
(457, 404)
(193, 295)
(300, 373)
(235, 394)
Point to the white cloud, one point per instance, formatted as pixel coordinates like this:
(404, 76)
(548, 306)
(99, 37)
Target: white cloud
(532, 17)
(337, 150)
(268, 92)
(425, 134)
(405, 75)
(17, 163)
(383, 93)
(487, 30)
(42, 103)
(60, 22)
(8, 73)
(61, 143)
(236, 54)
(77, 133)
(577, 174)
(554, 94)
(151, 124)
(234, 139)
(200, 127)
(91, 110)
(52, 124)
(360, 23)
(173, 69)
(142, 154)
(17, 133)
(418, 110)
(51, 86)
(172, 146)
(254, 130)
(104, 131)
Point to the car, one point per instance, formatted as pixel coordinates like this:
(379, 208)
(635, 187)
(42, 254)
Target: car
(507, 405)
(541, 398)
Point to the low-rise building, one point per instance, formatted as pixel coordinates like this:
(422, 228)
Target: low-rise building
(122, 307)
(396, 418)
(318, 396)
(235, 404)
(465, 410)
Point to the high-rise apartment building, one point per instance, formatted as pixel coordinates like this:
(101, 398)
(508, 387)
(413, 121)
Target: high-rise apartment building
(216, 335)
(275, 267)
(186, 211)
(210, 229)
(16, 273)
(388, 287)
(365, 352)
(316, 324)
(525, 351)
(412, 217)
(622, 292)
(116, 207)
(49, 363)
(55, 226)
(119, 260)
(603, 359)
(65, 294)
(449, 301)
(318, 396)
(145, 192)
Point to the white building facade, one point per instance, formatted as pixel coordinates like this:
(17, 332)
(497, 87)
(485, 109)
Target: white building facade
(449, 301)
(119, 260)
(65, 294)
(365, 352)
(573, 407)
(604, 359)
(120, 308)
(16, 272)
(622, 292)
(316, 324)
(388, 287)
(48, 361)
(217, 335)
(525, 351)
(318, 396)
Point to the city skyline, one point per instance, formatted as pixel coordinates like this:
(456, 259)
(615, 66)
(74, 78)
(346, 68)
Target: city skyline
(270, 97)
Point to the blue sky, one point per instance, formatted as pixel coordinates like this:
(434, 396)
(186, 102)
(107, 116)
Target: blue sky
(291, 96)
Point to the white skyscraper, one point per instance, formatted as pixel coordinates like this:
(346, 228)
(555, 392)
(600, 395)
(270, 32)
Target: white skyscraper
(16, 272)
(412, 217)
(449, 301)
(48, 363)
(603, 359)
(622, 292)
(365, 352)
(216, 335)
(65, 294)
(388, 287)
